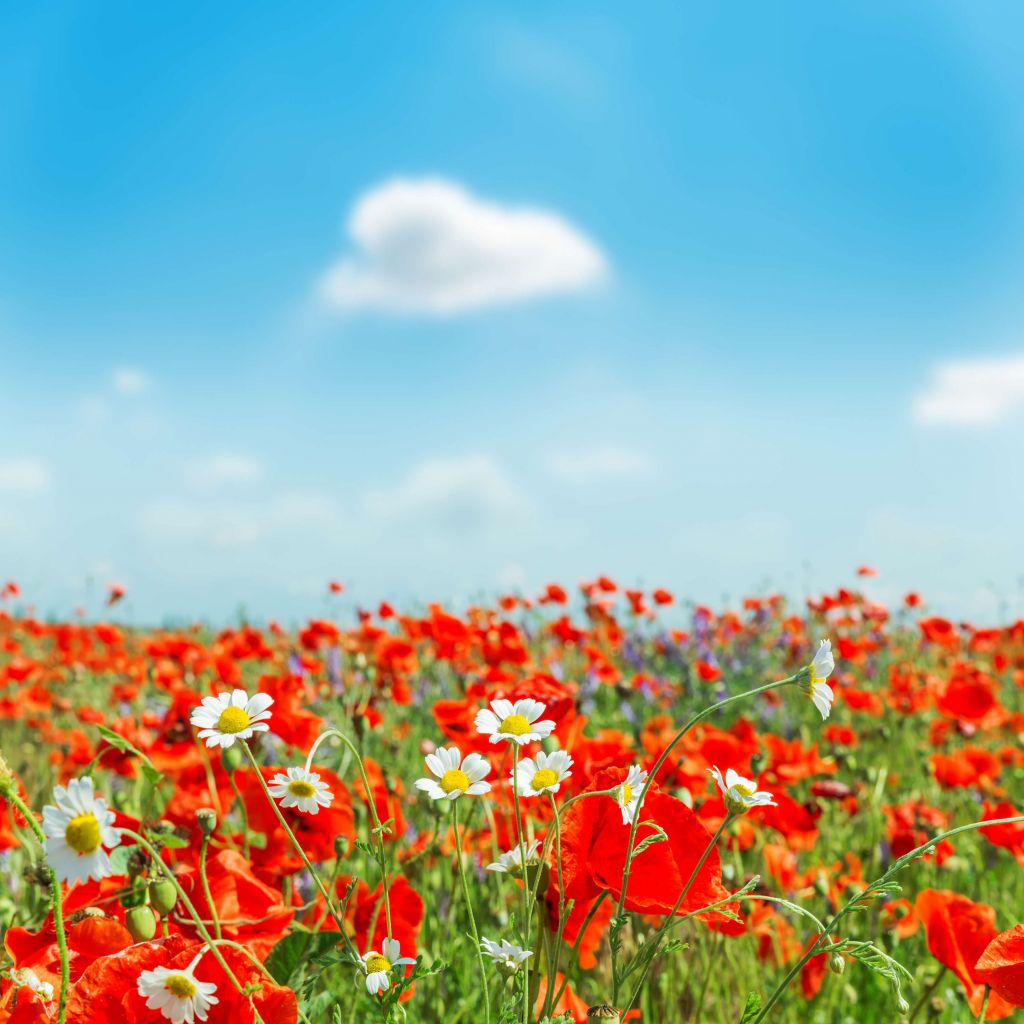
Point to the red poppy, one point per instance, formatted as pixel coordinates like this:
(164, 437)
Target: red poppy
(1002, 965)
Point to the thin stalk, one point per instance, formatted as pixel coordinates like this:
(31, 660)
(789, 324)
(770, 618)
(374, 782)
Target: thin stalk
(926, 994)
(525, 929)
(206, 884)
(469, 910)
(984, 1005)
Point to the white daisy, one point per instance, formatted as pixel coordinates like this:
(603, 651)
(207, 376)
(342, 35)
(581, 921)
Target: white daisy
(814, 685)
(457, 774)
(77, 830)
(511, 863)
(178, 994)
(627, 796)
(302, 789)
(378, 966)
(507, 955)
(507, 721)
(542, 774)
(740, 794)
(231, 716)
(24, 977)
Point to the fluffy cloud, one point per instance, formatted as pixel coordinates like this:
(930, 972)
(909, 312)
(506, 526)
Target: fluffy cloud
(600, 465)
(458, 495)
(129, 381)
(23, 476)
(430, 246)
(972, 391)
(223, 469)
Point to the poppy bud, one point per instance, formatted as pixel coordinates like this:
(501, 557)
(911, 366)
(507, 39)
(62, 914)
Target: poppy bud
(603, 1012)
(138, 861)
(7, 783)
(162, 895)
(232, 757)
(141, 923)
(206, 818)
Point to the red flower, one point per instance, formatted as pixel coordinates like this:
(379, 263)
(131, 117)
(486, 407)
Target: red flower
(958, 930)
(1002, 965)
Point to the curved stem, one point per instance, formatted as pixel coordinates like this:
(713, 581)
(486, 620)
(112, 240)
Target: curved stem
(56, 902)
(926, 994)
(295, 842)
(469, 910)
(526, 895)
(206, 884)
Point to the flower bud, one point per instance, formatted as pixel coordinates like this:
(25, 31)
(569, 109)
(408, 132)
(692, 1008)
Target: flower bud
(836, 964)
(138, 861)
(902, 1006)
(7, 783)
(206, 818)
(162, 895)
(141, 923)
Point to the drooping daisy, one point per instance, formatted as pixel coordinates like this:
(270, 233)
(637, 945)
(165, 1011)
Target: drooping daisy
(302, 789)
(178, 994)
(231, 716)
(507, 955)
(24, 977)
(542, 774)
(79, 831)
(378, 966)
(511, 863)
(455, 775)
(814, 684)
(627, 796)
(519, 722)
(739, 793)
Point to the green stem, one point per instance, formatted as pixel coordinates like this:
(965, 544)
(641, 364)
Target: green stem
(56, 901)
(469, 910)
(553, 972)
(295, 842)
(984, 1005)
(926, 994)
(525, 929)
(206, 884)
(579, 939)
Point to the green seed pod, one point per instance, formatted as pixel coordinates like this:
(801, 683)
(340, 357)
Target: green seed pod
(141, 923)
(162, 896)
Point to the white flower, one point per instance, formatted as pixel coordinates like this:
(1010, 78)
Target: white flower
(507, 721)
(814, 684)
(510, 863)
(77, 830)
(24, 977)
(177, 994)
(627, 796)
(740, 794)
(542, 774)
(457, 775)
(302, 789)
(231, 716)
(507, 955)
(378, 966)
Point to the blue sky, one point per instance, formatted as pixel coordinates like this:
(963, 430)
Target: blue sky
(439, 299)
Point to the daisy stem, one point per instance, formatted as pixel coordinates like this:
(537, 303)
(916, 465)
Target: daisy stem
(295, 842)
(469, 910)
(56, 900)
(370, 806)
(553, 968)
(663, 756)
(594, 907)
(203, 846)
(157, 861)
(526, 895)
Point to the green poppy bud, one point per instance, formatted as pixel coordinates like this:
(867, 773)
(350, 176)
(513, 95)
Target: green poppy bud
(141, 923)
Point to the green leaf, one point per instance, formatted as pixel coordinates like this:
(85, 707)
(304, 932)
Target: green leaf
(294, 950)
(751, 1009)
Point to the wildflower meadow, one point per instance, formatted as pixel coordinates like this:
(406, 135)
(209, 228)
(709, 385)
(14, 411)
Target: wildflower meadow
(584, 805)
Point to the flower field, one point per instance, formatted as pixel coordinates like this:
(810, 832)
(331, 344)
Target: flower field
(589, 804)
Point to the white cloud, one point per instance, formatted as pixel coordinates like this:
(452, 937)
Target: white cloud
(429, 246)
(598, 465)
(972, 391)
(129, 381)
(24, 476)
(458, 495)
(221, 469)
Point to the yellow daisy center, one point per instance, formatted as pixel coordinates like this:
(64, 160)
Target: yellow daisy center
(543, 778)
(627, 793)
(233, 719)
(454, 778)
(180, 985)
(301, 788)
(377, 962)
(744, 791)
(83, 833)
(515, 725)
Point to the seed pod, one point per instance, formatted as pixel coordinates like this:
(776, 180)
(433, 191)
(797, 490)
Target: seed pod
(603, 1012)
(162, 896)
(141, 923)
